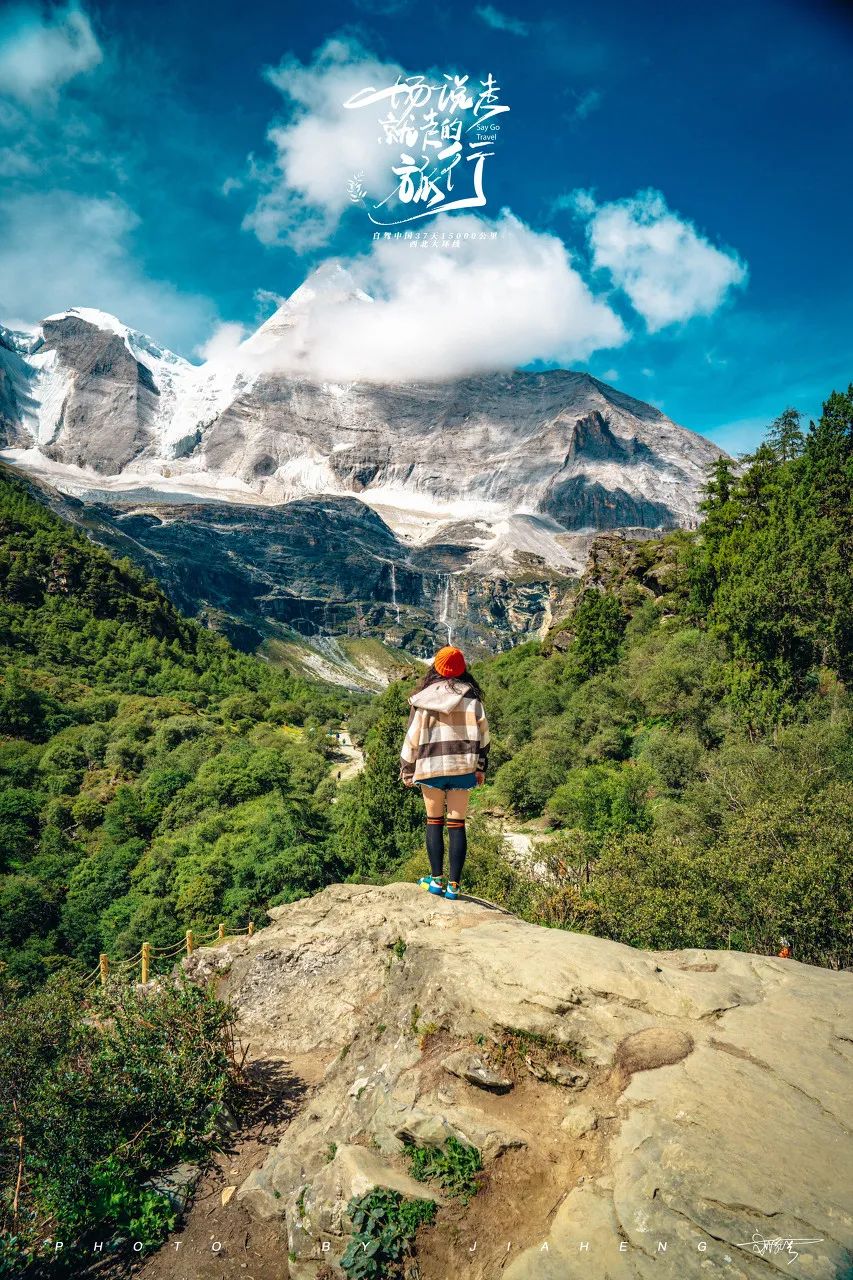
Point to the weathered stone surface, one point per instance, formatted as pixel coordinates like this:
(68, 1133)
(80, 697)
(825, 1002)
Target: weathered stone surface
(654, 1047)
(470, 1067)
(355, 1171)
(318, 1210)
(579, 1120)
(177, 1183)
(569, 1077)
(718, 1081)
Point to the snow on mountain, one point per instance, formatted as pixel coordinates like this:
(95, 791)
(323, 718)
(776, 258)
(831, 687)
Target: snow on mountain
(515, 465)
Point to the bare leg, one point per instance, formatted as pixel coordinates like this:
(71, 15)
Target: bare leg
(457, 805)
(434, 800)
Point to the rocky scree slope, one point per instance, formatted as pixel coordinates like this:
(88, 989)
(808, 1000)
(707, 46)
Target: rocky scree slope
(617, 1096)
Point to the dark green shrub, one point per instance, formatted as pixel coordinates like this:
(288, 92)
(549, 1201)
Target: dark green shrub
(97, 1093)
(384, 1225)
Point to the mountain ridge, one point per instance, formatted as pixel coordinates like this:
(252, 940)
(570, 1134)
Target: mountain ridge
(485, 482)
(96, 395)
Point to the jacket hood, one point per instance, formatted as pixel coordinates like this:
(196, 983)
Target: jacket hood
(440, 696)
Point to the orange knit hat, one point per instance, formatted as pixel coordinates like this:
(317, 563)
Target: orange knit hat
(449, 661)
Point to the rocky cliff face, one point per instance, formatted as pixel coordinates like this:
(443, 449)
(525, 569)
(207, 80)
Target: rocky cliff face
(320, 567)
(636, 1113)
(635, 568)
(482, 483)
(89, 393)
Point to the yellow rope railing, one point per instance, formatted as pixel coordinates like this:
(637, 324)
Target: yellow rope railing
(105, 969)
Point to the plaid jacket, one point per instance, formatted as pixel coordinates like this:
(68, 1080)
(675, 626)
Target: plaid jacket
(448, 733)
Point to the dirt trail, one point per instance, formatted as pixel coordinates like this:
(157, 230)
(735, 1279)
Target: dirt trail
(348, 759)
(224, 1240)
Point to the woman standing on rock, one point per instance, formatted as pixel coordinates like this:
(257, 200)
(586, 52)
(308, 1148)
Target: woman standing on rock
(445, 753)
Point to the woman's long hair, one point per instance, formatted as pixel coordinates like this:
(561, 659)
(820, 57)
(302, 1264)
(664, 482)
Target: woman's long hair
(466, 680)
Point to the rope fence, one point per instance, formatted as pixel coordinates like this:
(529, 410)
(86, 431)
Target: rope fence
(148, 956)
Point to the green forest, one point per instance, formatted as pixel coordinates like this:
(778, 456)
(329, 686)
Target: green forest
(152, 779)
(684, 734)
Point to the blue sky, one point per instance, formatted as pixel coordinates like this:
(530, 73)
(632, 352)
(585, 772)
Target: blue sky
(672, 185)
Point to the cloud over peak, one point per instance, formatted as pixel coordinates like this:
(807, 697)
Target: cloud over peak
(486, 305)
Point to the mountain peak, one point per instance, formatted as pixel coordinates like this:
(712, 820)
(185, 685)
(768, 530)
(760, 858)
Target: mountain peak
(91, 315)
(330, 283)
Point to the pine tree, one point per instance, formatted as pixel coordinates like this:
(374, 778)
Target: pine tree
(785, 437)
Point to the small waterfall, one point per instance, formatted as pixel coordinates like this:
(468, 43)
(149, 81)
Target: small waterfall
(394, 604)
(444, 594)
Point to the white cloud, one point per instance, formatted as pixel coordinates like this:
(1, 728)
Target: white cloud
(320, 147)
(488, 305)
(586, 103)
(15, 164)
(267, 300)
(501, 21)
(38, 55)
(669, 271)
(610, 375)
(222, 343)
(61, 249)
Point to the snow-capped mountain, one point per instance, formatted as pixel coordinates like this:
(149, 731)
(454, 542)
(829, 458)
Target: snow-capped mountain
(96, 406)
(493, 477)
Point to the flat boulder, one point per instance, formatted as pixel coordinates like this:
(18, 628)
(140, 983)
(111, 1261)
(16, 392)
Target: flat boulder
(471, 1067)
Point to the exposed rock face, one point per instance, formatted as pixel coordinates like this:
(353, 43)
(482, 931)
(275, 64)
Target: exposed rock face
(711, 1109)
(633, 568)
(109, 412)
(319, 567)
(559, 443)
(499, 477)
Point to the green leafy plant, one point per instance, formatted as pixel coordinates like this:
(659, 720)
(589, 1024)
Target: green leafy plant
(143, 1214)
(454, 1167)
(384, 1224)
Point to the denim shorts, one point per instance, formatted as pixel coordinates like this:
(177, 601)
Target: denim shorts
(453, 782)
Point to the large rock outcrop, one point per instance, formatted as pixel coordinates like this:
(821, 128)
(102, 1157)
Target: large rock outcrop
(639, 1114)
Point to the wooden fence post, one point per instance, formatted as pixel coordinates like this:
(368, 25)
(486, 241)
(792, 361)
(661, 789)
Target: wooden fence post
(104, 966)
(251, 927)
(221, 932)
(146, 957)
(189, 942)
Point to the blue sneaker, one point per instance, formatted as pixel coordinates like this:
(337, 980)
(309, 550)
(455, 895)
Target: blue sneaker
(435, 884)
(452, 891)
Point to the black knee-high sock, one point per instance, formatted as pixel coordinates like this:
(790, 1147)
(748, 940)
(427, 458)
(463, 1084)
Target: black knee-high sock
(457, 842)
(435, 845)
